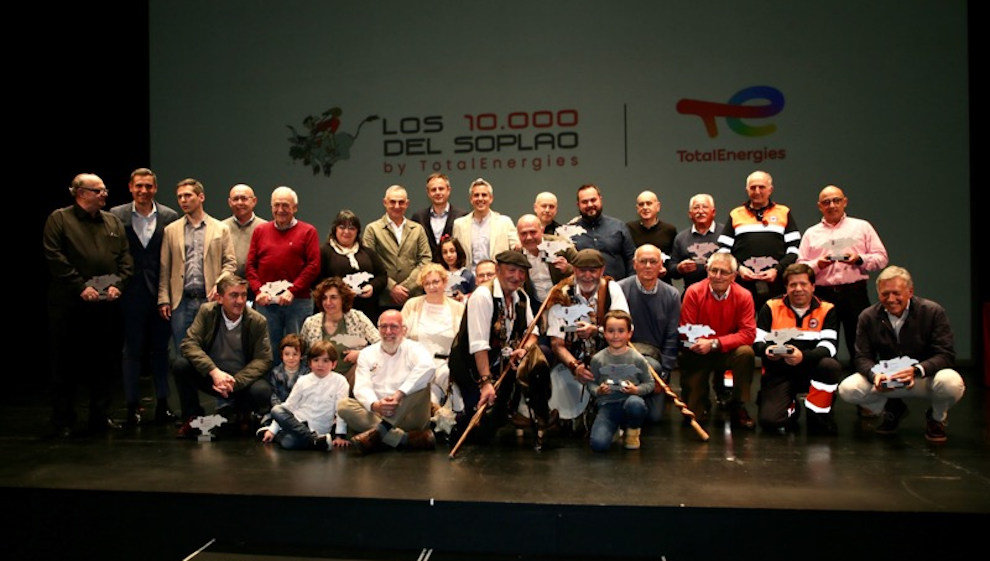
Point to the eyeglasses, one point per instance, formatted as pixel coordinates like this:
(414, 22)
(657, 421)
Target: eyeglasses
(833, 201)
(103, 191)
(433, 282)
(714, 271)
(389, 327)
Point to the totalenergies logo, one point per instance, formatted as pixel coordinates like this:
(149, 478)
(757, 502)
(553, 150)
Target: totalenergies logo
(734, 111)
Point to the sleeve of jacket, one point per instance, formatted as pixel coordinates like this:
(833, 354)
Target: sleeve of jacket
(865, 357)
(941, 349)
(307, 276)
(193, 345)
(792, 242)
(423, 256)
(764, 325)
(125, 261)
(228, 263)
(261, 350)
(165, 270)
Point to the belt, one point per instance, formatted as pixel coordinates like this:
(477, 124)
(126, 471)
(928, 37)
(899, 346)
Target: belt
(200, 294)
(858, 285)
(440, 356)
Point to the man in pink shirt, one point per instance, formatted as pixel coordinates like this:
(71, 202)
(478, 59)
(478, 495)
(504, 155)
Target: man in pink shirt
(842, 250)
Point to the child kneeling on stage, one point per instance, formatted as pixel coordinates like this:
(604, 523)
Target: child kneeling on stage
(306, 418)
(622, 378)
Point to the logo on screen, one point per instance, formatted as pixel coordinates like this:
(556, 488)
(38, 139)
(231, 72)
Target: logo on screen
(320, 146)
(769, 102)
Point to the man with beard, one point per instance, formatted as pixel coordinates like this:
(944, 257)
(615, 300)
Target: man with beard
(607, 235)
(391, 403)
(490, 342)
(574, 343)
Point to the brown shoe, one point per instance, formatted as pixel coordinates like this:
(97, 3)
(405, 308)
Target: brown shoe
(739, 417)
(421, 440)
(368, 442)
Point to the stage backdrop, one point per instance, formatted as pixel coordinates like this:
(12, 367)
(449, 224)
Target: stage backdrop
(341, 99)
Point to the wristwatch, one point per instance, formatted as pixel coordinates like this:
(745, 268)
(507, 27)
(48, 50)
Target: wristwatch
(715, 345)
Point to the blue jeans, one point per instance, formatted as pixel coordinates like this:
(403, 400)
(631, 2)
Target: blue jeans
(657, 402)
(283, 320)
(182, 317)
(293, 434)
(614, 414)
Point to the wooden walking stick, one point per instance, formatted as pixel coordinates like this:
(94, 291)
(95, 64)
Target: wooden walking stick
(476, 418)
(677, 402)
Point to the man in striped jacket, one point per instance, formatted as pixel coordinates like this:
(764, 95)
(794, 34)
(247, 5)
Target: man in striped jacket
(796, 336)
(763, 237)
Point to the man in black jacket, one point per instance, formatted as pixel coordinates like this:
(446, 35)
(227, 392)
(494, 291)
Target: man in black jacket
(438, 218)
(904, 348)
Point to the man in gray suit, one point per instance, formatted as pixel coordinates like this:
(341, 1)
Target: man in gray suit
(146, 333)
(402, 245)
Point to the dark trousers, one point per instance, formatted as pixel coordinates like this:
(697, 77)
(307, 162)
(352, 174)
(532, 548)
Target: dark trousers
(696, 369)
(86, 343)
(849, 301)
(781, 383)
(189, 382)
(146, 337)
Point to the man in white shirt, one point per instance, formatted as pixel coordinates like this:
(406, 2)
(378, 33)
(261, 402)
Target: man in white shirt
(484, 233)
(391, 403)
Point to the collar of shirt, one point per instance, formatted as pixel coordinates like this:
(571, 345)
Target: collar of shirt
(837, 224)
(644, 290)
(246, 223)
(291, 224)
(695, 230)
(715, 294)
(190, 224)
(434, 214)
(228, 323)
(897, 322)
(154, 210)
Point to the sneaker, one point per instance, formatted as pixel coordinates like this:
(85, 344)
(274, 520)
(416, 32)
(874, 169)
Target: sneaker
(893, 412)
(321, 442)
(631, 439)
(935, 430)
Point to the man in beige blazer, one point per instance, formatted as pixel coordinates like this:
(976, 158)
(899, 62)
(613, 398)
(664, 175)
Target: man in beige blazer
(484, 233)
(196, 250)
(402, 245)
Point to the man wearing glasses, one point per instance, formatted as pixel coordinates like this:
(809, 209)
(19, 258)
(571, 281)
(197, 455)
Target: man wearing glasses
(842, 250)
(722, 312)
(391, 403)
(89, 262)
(242, 222)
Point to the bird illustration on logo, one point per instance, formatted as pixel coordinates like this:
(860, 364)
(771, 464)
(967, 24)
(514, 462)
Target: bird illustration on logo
(322, 146)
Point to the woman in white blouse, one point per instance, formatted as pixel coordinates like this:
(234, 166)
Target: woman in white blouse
(349, 329)
(433, 320)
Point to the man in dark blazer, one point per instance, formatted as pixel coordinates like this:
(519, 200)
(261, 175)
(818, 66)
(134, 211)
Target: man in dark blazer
(146, 334)
(438, 218)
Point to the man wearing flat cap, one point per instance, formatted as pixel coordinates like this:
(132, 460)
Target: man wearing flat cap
(574, 339)
(491, 340)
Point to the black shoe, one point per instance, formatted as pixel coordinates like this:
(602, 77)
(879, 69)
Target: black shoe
(935, 430)
(821, 424)
(102, 425)
(893, 412)
(164, 415)
(133, 416)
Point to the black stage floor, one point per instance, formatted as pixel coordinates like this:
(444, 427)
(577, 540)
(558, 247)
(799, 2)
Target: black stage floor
(142, 494)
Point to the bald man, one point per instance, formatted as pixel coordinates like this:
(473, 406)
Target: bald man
(242, 222)
(649, 229)
(545, 208)
(842, 250)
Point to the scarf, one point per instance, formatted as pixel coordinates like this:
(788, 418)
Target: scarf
(349, 252)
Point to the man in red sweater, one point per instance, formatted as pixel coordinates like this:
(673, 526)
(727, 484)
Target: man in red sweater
(285, 249)
(719, 324)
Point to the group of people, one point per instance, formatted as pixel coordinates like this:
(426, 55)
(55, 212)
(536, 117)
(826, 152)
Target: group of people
(467, 321)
